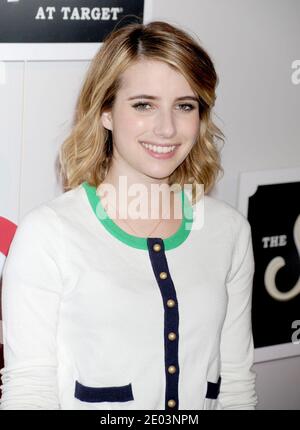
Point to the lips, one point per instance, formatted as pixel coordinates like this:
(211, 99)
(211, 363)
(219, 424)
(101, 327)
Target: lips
(163, 153)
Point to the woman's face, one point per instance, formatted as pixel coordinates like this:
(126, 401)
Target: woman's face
(169, 121)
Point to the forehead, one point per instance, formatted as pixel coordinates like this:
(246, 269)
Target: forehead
(150, 76)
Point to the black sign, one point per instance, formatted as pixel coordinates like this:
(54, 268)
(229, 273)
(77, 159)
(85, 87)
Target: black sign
(274, 215)
(42, 21)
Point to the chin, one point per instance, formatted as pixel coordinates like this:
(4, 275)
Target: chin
(159, 175)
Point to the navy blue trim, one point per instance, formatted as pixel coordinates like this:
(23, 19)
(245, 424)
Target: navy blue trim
(213, 389)
(171, 319)
(105, 394)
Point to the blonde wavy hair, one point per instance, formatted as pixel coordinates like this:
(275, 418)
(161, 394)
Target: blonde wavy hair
(86, 154)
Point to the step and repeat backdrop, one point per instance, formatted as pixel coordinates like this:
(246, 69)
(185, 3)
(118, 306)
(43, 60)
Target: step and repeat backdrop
(44, 30)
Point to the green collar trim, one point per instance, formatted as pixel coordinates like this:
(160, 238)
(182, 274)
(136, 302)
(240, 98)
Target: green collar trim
(140, 242)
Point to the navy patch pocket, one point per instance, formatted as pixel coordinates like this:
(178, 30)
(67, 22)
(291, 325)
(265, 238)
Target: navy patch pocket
(213, 389)
(104, 394)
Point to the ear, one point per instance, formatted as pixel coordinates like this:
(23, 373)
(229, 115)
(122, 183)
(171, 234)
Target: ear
(106, 119)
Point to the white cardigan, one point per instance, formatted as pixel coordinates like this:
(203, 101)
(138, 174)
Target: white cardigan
(96, 318)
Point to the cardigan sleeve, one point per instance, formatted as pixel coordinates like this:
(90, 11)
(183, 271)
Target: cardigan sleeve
(237, 389)
(31, 291)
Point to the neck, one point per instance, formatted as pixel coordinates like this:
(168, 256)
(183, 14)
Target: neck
(152, 196)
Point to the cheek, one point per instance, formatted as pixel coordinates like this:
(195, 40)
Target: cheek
(127, 131)
(139, 123)
(130, 124)
(191, 128)
(195, 126)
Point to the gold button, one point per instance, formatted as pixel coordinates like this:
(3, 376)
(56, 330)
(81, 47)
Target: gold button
(157, 247)
(172, 336)
(171, 403)
(172, 369)
(163, 275)
(170, 303)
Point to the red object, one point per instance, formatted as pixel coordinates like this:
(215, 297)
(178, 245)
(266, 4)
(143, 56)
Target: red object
(7, 231)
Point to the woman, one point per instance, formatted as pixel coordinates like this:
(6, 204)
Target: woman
(106, 311)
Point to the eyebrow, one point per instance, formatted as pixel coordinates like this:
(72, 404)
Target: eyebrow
(145, 96)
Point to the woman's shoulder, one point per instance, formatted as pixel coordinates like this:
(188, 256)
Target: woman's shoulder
(220, 212)
(66, 201)
(47, 215)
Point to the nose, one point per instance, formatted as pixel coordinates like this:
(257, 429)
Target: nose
(165, 125)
